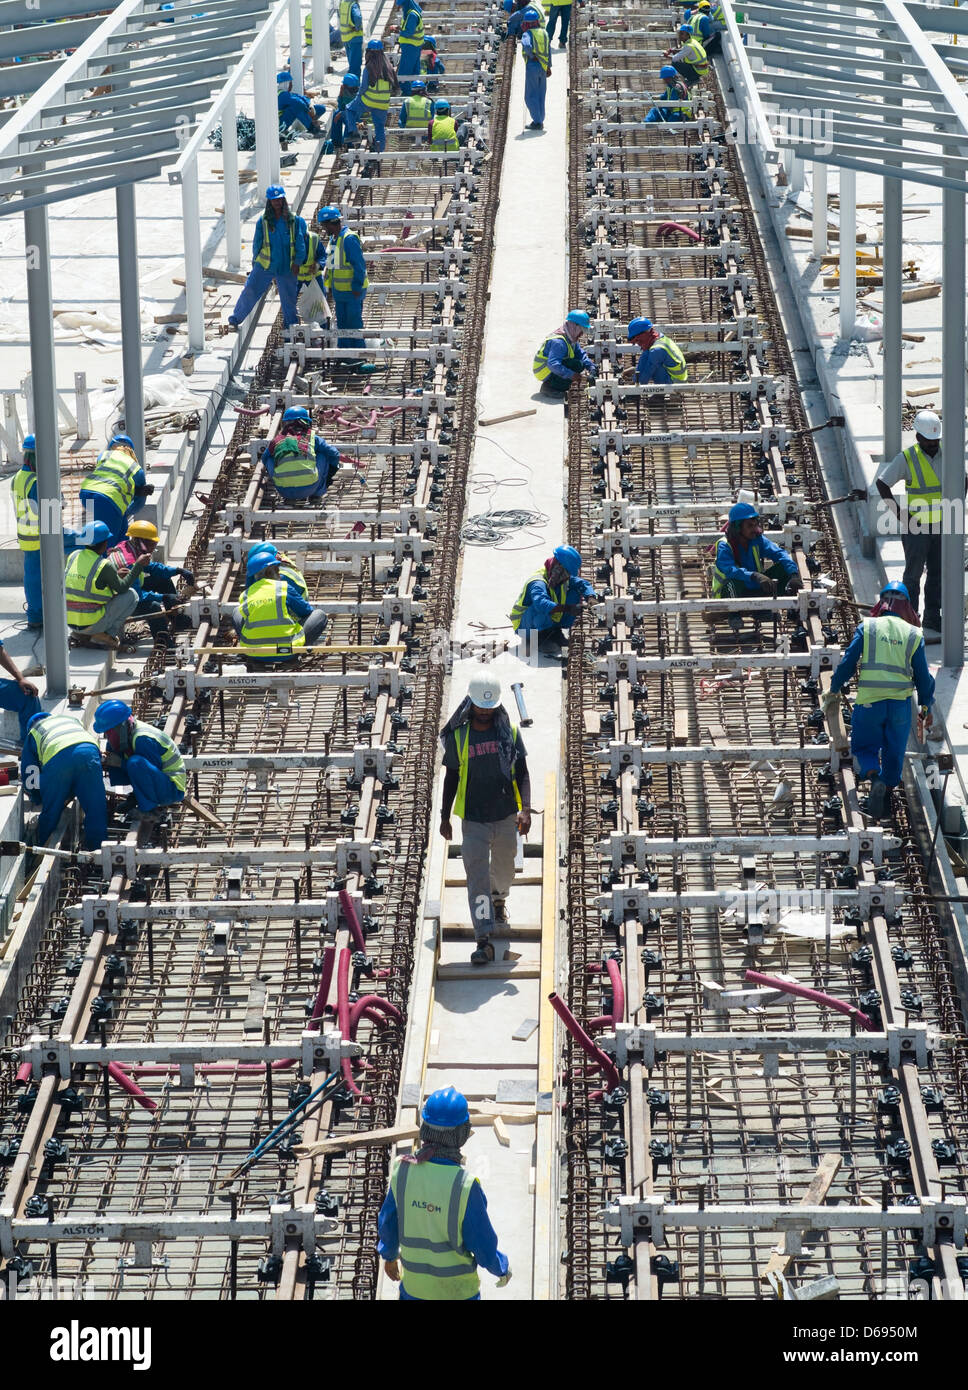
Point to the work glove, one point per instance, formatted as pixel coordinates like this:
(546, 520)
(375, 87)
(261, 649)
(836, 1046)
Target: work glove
(504, 1280)
(187, 574)
(794, 584)
(828, 700)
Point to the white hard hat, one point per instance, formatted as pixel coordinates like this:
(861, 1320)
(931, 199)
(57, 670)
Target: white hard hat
(927, 425)
(485, 692)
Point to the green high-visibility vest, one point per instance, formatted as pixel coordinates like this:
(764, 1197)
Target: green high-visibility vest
(417, 37)
(266, 621)
(419, 110)
(348, 29)
(541, 577)
(431, 1200)
(294, 470)
(924, 494)
(172, 762)
(718, 14)
(338, 275)
(289, 573)
(676, 363)
(310, 267)
(673, 94)
(719, 579)
(113, 477)
(57, 732)
(696, 56)
(461, 739)
(86, 598)
(443, 134)
(540, 365)
(885, 663)
(541, 50)
(377, 95)
(265, 251)
(28, 513)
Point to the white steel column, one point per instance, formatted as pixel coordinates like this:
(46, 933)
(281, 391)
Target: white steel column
(295, 47)
(320, 14)
(134, 411)
(819, 214)
(848, 252)
(953, 437)
(893, 240)
(230, 179)
(266, 117)
(192, 231)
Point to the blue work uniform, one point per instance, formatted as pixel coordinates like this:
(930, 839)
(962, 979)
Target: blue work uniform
(431, 67)
(535, 78)
(14, 699)
(349, 306)
(24, 487)
(671, 113)
(293, 108)
(879, 732)
(141, 770)
(280, 269)
(343, 98)
(652, 368)
(539, 605)
(710, 33)
(327, 462)
(567, 359)
(739, 571)
(559, 10)
(98, 507)
(411, 34)
(478, 1236)
(75, 771)
(357, 110)
(354, 47)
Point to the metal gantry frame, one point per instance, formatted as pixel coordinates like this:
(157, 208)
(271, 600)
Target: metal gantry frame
(872, 91)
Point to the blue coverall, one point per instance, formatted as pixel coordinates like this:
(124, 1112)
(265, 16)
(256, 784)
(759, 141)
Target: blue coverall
(293, 107)
(356, 111)
(535, 82)
(667, 114)
(343, 98)
(652, 368)
(142, 773)
(742, 570)
(97, 507)
(327, 462)
(879, 732)
(32, 585)
(709, 31)
(349, 307)
(478, 1236)
(354, 49)
(539, 606)
(408, 64)
(565, 361)
(76, 771)
(14, 699)
(515, 19)
(280, 270)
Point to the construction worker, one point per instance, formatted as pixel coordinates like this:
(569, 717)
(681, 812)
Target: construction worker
(551, 599)
(17, 695)
(99, 598)
(561, 359)
(690, 59)
(676, 92)
(487, 785)
(434, 1219)
(335, 38)
(23, 486)
(348, 91)
(60, 761)
(559, 11)
(890, 653)
(661, 361)
(272, 619)
(141, 756)
(921, 515)
(305, 471)
(278, 249)
(351, 33)
(411, 39)
(430, 64)
(377, 84)
(748, 565)
(117, 488)
(441, 130)
(295, 109)
(704, 27)
(155, 585)
(417, 111)
(536, 51)
(345, 276)
(515, 10)
(294, 578)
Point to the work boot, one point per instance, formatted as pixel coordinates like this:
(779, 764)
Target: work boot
(484, 954)
(103, 639)
(501, 914)
(877, 801)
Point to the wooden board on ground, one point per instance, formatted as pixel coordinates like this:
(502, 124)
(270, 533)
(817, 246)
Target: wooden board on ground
(215, 272)
(820, 1184)
(203, 813)
(515, 415)
(483, 1113)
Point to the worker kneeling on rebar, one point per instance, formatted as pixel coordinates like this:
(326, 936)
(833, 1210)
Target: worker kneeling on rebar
(748, 565)
(301, 464)
(60, 761)
(551, 600)
(274, 619)
(155, 585)
(561, 359)
(891, 656)
(142, 757)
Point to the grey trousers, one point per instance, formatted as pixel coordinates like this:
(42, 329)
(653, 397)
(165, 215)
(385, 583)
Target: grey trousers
(488, 849)
(116, 613)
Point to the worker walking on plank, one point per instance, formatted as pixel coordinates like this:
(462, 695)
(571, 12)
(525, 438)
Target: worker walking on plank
(345, 276)
(676, 92)
(99, 598)
(377, 85)
(921, 515)
(551, 600)
(301, 464)
(559, 11)
(272, 620)
(434, 1219)
(351, 33)
(747, 564)
(411, 42)
(536, 51)
(116, 489)
(561, 359)
(661, 361)
(890, 653)
(278, 249)
(690, 59)
(60, 761)
(17, 695)
(142, 756)
(486, 783)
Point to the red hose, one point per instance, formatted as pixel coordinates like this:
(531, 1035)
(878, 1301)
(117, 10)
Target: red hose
(325, 979)
(375, 1008)
(604, 1064)
(618, 991)
(23, 1073)
(343, 1014)
(816, 996)
(131, 1087)
(349, 912)
(667, 227)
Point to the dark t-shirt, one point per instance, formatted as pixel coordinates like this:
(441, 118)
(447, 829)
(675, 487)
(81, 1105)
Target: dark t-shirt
(489, 796)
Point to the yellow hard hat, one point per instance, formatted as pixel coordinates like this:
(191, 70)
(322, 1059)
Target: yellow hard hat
(143, 531)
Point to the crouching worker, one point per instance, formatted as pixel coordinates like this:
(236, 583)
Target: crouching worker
(141, 756)
(747, 564)
(300, 464)
(273, 619)
(60, 761)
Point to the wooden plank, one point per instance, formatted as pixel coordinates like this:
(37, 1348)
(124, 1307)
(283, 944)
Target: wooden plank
(680, 728)
(483, 1113)
(500, 419)
(820, 1184)
(497, 970)
(234, 277)
(255, 1008)
(203, 813)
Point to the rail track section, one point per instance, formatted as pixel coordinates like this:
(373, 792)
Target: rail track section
(214, 997)
(726, 1137)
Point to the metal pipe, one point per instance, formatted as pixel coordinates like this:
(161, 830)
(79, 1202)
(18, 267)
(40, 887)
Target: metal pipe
(295, 47)
(893, 243)
(848, 252)
(131, 365)
(523, 716)
(819, 210)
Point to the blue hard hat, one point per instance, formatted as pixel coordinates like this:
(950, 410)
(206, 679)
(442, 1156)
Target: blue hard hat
(638, 326)
(445, 1109)
(684, 29)
(531, 14)
(569, 559)
(169, 18)
(297, 412)
(375, 46)
(350, 79)
(668, 71)
(121, 439)
(429, 41)
(30, 443)
(743, 511)
(330, 213)
(260, 559)
(99, 532)
(34, 718)
(110, 715)
(284, 76)
(275, 190)
(580, 317)
(896, 587)
(441, 107)
(418, 85)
